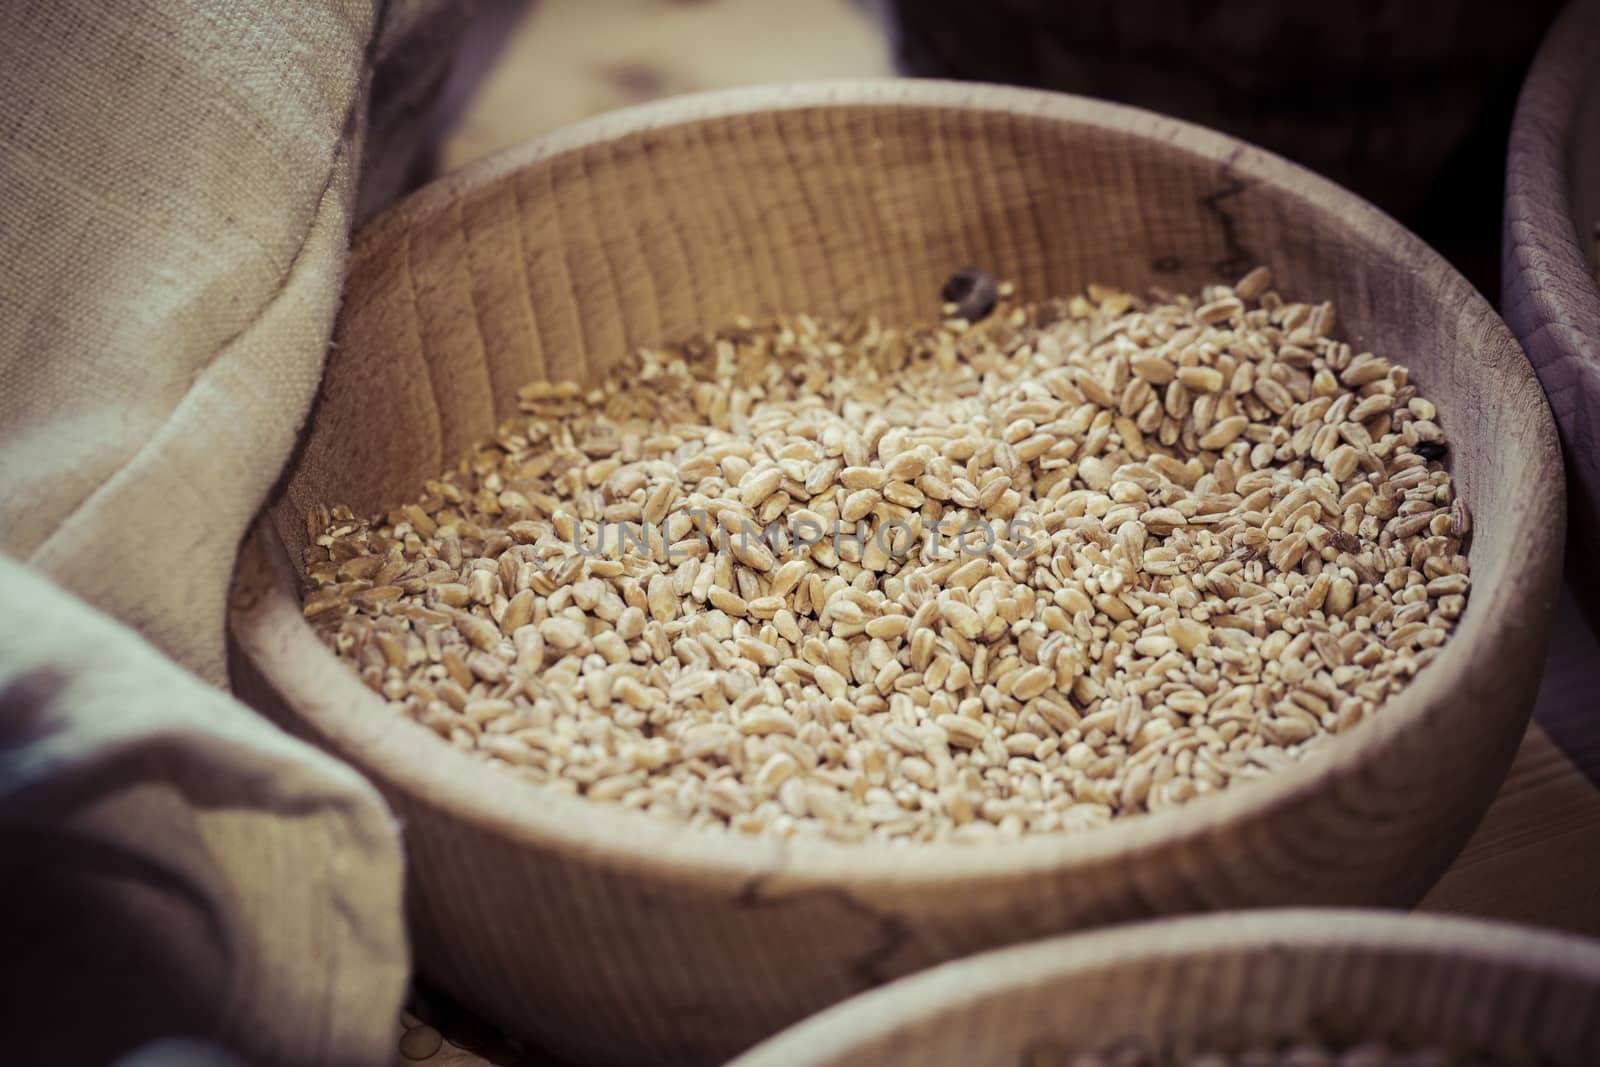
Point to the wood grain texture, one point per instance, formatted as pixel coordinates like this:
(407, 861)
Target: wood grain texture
(611, 937)
(1566, 705)
(1535, 858)
(1229, 983)
(1550, 297)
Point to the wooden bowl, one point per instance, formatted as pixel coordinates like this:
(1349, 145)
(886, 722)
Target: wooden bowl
(616, 938)
(1227, 983)
(1549, 294)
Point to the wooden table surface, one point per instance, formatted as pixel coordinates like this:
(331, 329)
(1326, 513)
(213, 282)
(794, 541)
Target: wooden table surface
(533, 67)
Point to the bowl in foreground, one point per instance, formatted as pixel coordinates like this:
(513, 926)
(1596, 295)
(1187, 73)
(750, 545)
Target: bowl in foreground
(1331, 980)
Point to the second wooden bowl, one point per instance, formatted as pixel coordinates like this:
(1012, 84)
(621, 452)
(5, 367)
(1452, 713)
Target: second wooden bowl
(1552, 224)
(1271, 981)
(615, 938)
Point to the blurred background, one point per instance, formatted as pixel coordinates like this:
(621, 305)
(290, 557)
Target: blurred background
(1408, 104)
(533, 65)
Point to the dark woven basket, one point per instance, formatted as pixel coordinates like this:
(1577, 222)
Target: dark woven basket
(1407, 104)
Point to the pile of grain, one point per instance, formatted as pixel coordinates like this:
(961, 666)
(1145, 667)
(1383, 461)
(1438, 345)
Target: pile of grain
(1023, 575)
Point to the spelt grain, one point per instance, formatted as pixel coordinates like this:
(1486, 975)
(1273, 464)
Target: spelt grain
(1140, 551)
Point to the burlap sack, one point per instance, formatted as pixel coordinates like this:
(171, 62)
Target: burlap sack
(177, 181)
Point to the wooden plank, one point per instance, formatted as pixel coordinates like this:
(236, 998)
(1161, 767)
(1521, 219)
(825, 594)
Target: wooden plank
(1536, 856)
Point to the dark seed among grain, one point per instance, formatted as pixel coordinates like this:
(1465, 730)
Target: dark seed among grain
(974, 293)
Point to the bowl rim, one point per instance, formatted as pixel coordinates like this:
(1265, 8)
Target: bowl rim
(1545, 239)
(928, 994)
(285, 652)
(1550, 296)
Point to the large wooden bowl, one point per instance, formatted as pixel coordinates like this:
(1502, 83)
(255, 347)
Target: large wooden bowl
(1228, 984)
(620, 939)
(1550, 297)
